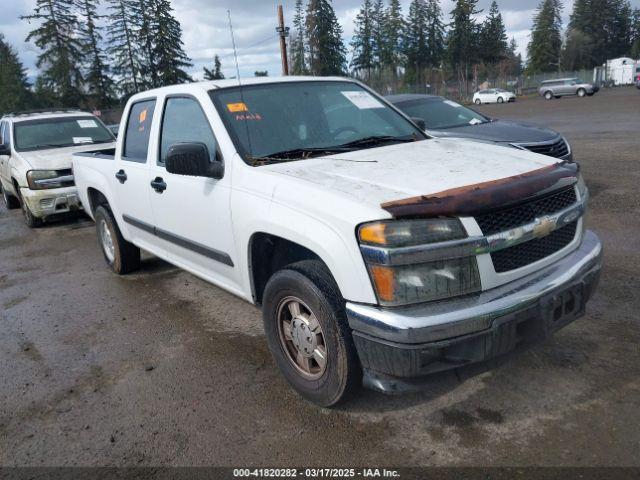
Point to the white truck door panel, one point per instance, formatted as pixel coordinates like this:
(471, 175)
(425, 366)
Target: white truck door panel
(131, 176)
(193, 214)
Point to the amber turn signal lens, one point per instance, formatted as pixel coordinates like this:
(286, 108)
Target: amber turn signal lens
(384, 280)
(373, 233)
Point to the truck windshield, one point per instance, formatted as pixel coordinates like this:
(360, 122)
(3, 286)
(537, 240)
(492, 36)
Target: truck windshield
(59, 132)
(439, 113)
(297, 120)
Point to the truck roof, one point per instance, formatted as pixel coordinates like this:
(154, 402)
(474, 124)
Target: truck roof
(230, 83)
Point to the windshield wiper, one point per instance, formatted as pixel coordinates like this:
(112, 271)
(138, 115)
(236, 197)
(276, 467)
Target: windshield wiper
(297, 154)
(375, 140)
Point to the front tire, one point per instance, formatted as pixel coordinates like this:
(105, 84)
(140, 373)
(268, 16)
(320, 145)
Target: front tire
(10, 201)
(308, 335)
(548, 95)
(122, 256)
(31, 220)
(581, 92)
(477, 101)
(500, 100)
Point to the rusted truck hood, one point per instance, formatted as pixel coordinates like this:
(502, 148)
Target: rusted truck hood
(407, 174)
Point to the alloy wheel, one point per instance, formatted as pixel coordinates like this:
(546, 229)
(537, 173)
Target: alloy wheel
(302, 338)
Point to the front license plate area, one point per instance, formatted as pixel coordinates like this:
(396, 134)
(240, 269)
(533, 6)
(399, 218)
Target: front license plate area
(563, 307)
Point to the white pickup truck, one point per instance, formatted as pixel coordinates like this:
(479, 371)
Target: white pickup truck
(377, 254)
(35, 159)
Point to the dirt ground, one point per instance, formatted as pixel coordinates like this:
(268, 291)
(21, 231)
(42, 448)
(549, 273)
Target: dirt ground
(160, 368)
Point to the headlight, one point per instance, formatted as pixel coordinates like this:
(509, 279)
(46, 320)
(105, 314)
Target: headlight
(418, 282)
(404, 284)
(43, 179)
(582, 186)
(405, 233)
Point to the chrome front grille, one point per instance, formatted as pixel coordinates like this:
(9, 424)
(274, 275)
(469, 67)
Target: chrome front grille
(529, 252)
(511, 217)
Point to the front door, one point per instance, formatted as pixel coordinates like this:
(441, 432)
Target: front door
(193, 214)
(5, 174)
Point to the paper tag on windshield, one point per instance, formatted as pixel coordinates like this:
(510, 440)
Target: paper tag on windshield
(82, 140)
(475, 121)
(453, 104)
(87, 123)
(363, 100)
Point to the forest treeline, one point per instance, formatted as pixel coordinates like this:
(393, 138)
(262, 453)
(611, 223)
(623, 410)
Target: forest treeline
(96, 57)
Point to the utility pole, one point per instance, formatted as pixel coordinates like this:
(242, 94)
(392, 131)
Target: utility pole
(284, 33)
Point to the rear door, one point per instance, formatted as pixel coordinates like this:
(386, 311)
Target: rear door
(131, 175)
(193, 214)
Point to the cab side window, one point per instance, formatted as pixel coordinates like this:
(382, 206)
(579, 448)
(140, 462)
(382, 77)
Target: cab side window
(136, 140)
(184, 121)
(4, 133)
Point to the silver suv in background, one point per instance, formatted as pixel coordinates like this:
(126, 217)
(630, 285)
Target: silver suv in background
(566, 86)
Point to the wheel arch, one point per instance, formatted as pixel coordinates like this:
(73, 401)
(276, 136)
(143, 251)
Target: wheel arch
(267, 253)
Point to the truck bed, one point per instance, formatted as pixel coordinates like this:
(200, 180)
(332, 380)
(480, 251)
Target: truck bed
(104, 154)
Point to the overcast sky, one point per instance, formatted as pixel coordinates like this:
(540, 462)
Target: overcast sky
(206, 31)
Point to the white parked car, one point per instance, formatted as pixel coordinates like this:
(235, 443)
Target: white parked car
(377, 254)
(35, 160)
(493, 95)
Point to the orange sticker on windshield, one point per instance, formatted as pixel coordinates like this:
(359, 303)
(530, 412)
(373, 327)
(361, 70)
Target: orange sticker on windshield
(143, 116)
(237, 107)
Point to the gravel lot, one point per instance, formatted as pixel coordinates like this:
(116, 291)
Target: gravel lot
(160, 368)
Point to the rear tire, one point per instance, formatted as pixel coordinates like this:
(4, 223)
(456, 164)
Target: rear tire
(10, 201)
(308, 334)
(122, 256)
(548, 95)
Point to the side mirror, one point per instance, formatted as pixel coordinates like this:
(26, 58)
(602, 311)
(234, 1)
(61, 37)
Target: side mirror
(4, 149)
(192, 159)
(419, 122)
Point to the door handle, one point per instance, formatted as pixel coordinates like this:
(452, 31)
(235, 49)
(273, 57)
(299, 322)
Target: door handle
(121, 176)
(158, 185)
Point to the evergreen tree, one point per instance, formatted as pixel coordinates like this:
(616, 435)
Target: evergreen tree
(98, 82)
(216, 72)
(377, 32)
(122, 47)
(546, 37)
(513, 62)
(169, 58)
(297, 44)
(362, 42)
(435, 34)
(261, 73)
(462, 40)
(393, 30)
(141, 13)
(327, 54)
(605, 26)
(61, 51)
(493, 37)
(635, 34)
(13, 80)
(416, 48)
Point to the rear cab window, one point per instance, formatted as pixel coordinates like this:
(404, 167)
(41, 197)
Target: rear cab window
(138, 131)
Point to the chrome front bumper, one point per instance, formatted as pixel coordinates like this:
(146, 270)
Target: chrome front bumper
(384, 332)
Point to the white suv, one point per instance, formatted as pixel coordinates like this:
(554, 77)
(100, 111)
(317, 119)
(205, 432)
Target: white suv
(35, 159)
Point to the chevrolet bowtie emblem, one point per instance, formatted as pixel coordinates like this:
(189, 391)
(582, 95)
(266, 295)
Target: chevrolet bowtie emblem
(544, 226)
